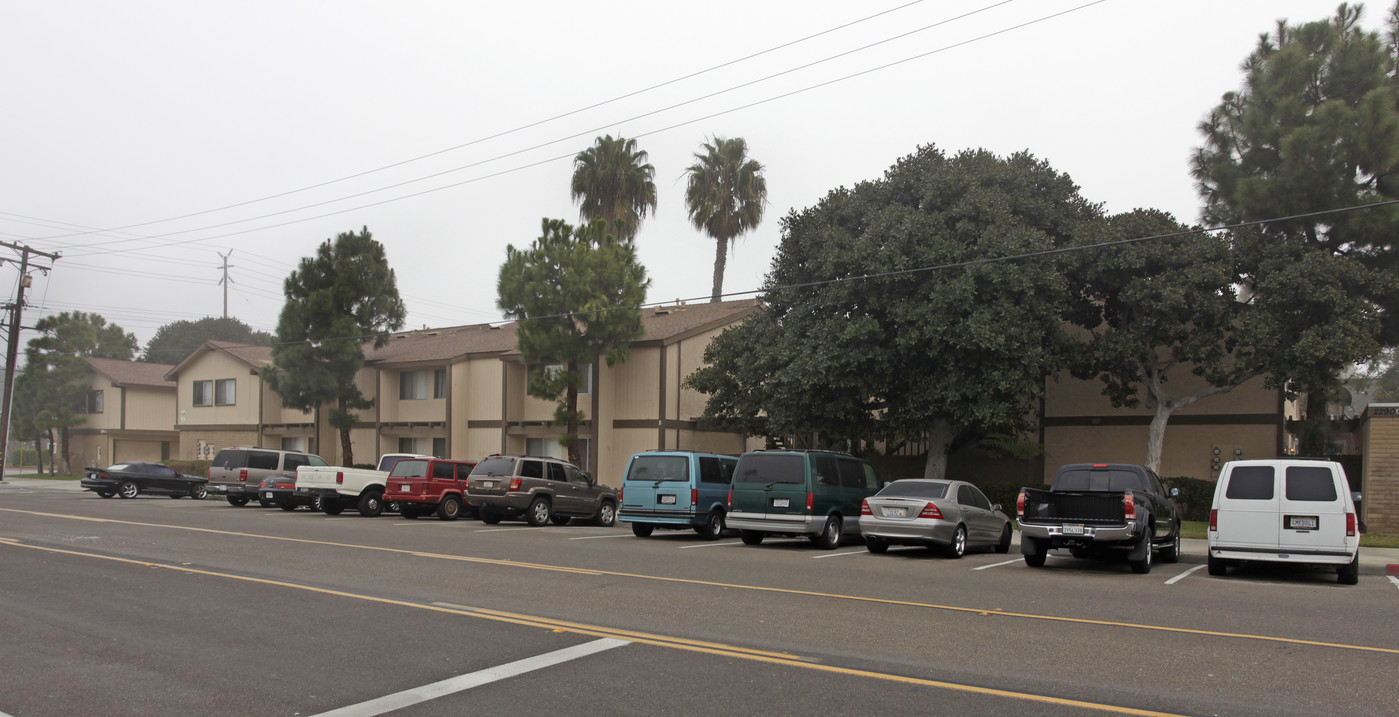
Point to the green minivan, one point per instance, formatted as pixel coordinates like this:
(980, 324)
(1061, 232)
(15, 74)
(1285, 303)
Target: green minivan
(811, 493)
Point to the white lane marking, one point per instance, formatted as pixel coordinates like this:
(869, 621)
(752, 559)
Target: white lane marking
(837, 555)
(995, 565)
(710, 545)
(453, 685)
(595, 537)
(501, 530)
(1180, 577)
(1394, 580)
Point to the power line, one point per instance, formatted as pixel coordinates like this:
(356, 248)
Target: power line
(551, 160)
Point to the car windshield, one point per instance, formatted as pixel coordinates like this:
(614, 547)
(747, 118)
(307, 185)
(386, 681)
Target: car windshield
(409, 468)
(913, 489)
(761, 468)
(497, 466)
(660, 468)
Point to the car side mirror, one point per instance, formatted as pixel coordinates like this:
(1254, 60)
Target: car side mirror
(995, 507)
(1355, 496)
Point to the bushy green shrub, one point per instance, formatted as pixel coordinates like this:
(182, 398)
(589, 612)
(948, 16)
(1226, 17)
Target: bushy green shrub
(1195, 496)
(194, 468)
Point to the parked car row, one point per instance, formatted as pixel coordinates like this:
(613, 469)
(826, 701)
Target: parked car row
(1284, 510)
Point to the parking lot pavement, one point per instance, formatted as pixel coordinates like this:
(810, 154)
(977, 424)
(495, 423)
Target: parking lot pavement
(28, 483)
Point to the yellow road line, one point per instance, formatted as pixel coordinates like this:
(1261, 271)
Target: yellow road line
(711, 648)
(736, 586)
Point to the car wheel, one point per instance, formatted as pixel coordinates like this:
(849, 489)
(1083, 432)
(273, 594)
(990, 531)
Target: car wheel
(713, 525)
(1033, 551)
(539, 512)
(237, 501)
(332, 507)
(393, 506)
(106, 493)
(289, 507)
(958, 547)
(488, 517)
(371, 504)
(606, 515)
(1004, 545)
(265, 502)
(642, 530)
(449, 508)
(128, 490)
(751, 537)
(1171, 553)
(875, 545)
(1349, 574)
(829, 539)
(1143, 566)
(1217, 566)
(198, 491)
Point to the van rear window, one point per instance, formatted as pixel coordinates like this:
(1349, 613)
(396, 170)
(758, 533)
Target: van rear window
(759, 468)
(1313, 483)
(1250, 483)
(409, 468)
(662, 468)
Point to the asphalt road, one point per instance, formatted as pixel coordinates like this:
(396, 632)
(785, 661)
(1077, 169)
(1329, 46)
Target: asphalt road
(155, 606)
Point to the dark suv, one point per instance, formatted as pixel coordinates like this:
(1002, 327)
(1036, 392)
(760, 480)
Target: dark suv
(540, 489)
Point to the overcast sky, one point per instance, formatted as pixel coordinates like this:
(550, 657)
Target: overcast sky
(142, 139)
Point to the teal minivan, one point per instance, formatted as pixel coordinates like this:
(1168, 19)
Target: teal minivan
(811, 493)
(677, 489)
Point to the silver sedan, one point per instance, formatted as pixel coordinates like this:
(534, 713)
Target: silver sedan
(949, 515)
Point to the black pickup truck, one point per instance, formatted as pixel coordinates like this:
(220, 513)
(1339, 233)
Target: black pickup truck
(1095, 509)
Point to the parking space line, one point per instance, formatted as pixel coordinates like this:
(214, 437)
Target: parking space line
(1180, 577)
(595, 537)
(461, 683)
(500, 530)
(837, 555)
(1394, 580)
(995, 565)
(710, 545)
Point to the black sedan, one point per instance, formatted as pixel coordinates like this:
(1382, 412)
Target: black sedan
(280, 490)
(133, 478)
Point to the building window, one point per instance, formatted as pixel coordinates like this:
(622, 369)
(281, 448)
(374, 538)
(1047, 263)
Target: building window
(439, 383)
(414, 385)
(94, 402)
(203, 393)
(223, 392)
(585, 375)
(439, 447)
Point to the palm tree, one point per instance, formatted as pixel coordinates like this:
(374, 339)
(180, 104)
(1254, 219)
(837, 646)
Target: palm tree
(726, 196)
(612, 182)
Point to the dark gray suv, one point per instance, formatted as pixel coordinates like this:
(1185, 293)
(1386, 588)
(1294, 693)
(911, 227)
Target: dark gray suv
(539, 489)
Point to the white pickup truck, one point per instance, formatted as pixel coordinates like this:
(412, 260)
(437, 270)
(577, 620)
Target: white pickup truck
(338, 486)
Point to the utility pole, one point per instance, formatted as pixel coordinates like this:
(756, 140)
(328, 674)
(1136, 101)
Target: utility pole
(12, 345)
(225, 280)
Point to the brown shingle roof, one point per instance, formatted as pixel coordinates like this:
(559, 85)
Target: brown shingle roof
(132, 373)
(439, 345)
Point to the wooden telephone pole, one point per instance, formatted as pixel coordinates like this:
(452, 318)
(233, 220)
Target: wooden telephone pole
(12, 345)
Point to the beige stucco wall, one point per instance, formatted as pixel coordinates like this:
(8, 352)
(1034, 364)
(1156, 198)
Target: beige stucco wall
(1380, 487)
(1186, 451)
(197, 443)
(150, 409)
(1069, 396)
(110, 417)
(212, 366)
(137, 450)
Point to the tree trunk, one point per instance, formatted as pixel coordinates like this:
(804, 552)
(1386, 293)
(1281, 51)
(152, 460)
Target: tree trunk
(721, 259)
(1156, 435)
(346, 452)
(571, 405)
(939, 441)
(67, 469)
(38, 455)
(53, 464)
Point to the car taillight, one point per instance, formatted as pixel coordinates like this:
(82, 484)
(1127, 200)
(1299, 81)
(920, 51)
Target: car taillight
(1020, 505)
(694, 496)
(810, 501)
(930, 511)
(287, 486)
(1129, 506)
(865, 508)
(515, 484)
(1350, 525)
(243, 474)
(339, 477)
(620, 492)
(1214, 520)
(730, 501)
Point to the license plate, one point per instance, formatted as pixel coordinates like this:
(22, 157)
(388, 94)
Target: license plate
(667, 500)
(896, 512)
(267, 495)
(1302, 522)
(403, 488)
(781, 502)
(1073, 530)
(487, 484)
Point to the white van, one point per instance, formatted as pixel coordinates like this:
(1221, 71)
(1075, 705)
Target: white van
(1284, 510)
